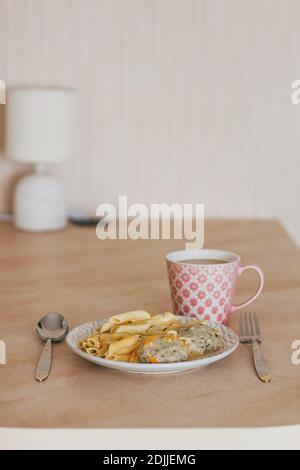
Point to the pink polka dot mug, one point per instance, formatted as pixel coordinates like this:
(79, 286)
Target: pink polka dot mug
(203, 282)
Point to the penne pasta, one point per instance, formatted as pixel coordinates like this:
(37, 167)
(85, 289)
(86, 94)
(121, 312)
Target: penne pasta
(106, 326)
(131, 328)
(91, 351)
(161, 319)
(103, 350)
(154, 331)
(174, 326)
(83, 344)
(133, 356)
(93, 342)
(130, 317)
(112, 337)
(118, 357)
(124, 346)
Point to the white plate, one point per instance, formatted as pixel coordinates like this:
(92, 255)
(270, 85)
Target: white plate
(83, 331)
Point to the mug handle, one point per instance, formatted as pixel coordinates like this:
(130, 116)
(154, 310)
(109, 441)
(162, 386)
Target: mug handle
(261, 284)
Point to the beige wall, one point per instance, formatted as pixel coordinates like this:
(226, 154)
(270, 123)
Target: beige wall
(179, 100)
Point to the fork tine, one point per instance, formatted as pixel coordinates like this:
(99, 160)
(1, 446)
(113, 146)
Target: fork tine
(251, 325)
(247, 331)
(257, 327)
(242, 324)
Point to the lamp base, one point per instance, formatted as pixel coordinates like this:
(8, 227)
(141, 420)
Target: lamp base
(39, 204)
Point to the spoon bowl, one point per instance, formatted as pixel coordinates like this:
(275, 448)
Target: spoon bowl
(52, 326)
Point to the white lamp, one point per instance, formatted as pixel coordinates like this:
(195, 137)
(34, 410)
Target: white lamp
(40, 130)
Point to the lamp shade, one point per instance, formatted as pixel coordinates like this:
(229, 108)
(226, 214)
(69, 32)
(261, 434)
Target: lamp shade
(40, 124)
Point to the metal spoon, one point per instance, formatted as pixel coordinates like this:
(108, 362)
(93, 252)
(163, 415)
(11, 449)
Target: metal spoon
(52, 327)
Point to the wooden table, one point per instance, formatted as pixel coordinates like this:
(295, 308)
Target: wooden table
(74, 273)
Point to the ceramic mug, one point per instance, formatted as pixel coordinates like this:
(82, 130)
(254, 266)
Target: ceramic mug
(206, 291)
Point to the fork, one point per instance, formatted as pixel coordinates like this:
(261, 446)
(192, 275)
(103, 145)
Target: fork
(250, 334)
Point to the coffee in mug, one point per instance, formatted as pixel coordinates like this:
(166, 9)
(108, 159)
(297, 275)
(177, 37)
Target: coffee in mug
(202, 261)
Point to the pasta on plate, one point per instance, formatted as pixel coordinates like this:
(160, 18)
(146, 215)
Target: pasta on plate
(138, 336)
